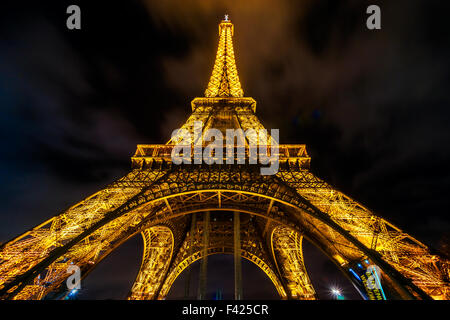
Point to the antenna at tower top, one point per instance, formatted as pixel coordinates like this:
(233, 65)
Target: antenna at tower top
(226, 18)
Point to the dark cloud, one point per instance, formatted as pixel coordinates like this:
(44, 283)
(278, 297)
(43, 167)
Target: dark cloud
(369, 104)
(372, 106)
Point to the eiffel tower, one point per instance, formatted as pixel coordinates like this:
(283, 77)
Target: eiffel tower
(187, 212)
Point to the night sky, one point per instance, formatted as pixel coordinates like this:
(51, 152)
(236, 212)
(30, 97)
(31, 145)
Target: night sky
(372, 106)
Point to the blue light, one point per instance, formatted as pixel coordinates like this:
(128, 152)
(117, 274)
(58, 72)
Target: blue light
(379, 284)
(366, 261)
(360, 266)
(354, 273)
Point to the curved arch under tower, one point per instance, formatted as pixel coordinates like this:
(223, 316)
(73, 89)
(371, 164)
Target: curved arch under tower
(157, 197)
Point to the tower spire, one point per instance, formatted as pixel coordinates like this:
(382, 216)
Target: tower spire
(224, 81)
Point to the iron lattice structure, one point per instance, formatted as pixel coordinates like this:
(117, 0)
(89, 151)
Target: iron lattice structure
(167, 203)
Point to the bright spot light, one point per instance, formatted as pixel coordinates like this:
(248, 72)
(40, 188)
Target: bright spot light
(336, 292)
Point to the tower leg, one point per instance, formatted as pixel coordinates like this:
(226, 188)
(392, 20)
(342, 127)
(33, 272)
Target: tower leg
(204, 262)
(287, 248)
(158, 244)
(237, 257)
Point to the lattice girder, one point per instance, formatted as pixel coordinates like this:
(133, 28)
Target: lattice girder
(224, 81)
(210, 188)
(157, 192)
(287, 251)
(158, 250)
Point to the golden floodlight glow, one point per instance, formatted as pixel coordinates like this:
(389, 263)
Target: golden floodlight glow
(224, 81)
(165, 203)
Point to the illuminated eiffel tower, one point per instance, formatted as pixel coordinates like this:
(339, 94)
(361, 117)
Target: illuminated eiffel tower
(187, 212)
